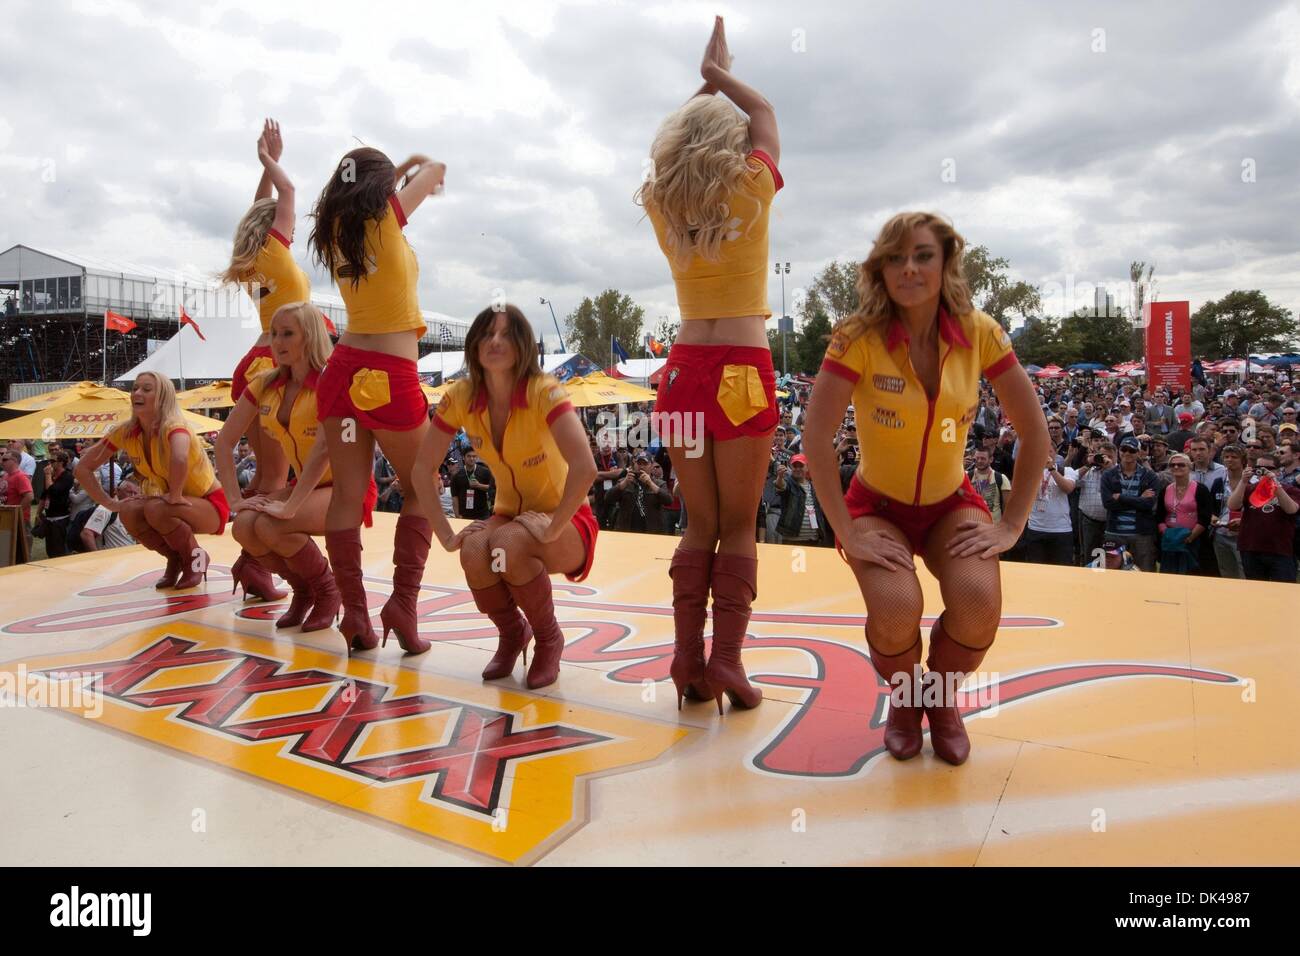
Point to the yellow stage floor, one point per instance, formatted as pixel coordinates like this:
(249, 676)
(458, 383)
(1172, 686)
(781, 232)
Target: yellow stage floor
(1123, 718)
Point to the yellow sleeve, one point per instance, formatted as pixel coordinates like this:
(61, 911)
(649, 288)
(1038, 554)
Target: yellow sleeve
(765, 178)
(450, 415)
(257, 386)
(549, 397)
(114, 438)
(847, 358)
(996, 353)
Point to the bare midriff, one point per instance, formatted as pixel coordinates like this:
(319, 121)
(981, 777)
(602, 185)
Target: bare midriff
(402, 344)
(747, 330)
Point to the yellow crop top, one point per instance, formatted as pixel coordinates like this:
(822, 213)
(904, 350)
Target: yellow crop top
(267, 393)
(912, 444)
(276, 279)
(199, 476)
(386, 299)
(529, 468)
(735, 285)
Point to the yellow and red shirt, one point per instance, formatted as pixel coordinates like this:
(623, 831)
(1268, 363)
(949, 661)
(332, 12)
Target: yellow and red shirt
(152, 471)
(386, 299)
(735, 285)
(276, 280)
(529, 469)
(267, 393)
(913, 443)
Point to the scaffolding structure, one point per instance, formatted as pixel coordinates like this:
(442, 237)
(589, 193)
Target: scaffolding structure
(52, 308)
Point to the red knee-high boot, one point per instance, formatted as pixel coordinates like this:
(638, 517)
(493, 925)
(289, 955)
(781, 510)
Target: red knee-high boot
(902, 672)
(548, 640)
(689, 570)
(410, 550)
(948, 660)
(499, 605)
(194, 560)
(734, 582)
(301, 603)
(154, 541)
(312, 574)
(344, 549)
(250, 571)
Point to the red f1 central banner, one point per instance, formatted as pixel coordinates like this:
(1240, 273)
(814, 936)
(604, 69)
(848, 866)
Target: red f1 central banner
(1169, 344)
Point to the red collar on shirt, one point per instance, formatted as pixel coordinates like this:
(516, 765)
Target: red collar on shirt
(518, 400)
(949, 330)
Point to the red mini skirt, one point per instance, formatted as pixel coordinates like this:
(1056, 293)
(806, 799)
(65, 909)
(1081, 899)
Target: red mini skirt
(915, 521)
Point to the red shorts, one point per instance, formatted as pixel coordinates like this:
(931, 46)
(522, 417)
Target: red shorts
(585, 521)
(380, 391)
(732, 386)
(239, 381)
(915, 521)
(218, 499)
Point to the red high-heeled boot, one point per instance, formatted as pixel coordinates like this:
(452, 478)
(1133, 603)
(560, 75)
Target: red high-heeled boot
(151, 539)
(538, 605)
(410, 551)
(194, 560)
(734, 583)
(948, 660)
(689, 570)
(301, 601)
(249, 571)
(902, 672)
(499, 605)
(344, 549)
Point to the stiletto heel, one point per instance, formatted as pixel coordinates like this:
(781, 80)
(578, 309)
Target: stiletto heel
(689, 570)
(344, 549)
(733, 581)
(181, 540)
(513, 630)
(410, 551)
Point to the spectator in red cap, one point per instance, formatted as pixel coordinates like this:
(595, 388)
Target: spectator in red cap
(802, 521)
(1180, 435)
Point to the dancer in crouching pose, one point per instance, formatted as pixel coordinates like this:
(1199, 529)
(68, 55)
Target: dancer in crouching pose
(910, 359)
(168, 459)
(525, 430)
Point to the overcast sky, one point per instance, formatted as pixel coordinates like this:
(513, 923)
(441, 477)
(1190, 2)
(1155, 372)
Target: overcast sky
(1079, 136)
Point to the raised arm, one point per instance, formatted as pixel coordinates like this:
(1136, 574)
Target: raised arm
(271, 137)
(428, 177)
(274, 173)
(716, 70)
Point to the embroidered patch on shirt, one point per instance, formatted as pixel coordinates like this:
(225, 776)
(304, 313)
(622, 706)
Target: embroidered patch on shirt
(888, 383)
(887, 418)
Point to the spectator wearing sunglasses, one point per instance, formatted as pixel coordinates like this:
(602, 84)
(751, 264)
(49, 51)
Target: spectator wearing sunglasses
(1267, 537)
(1184, 511)
(1128, 493)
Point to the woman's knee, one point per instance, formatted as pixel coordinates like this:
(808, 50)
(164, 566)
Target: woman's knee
(476, 553)
(267, 529)
(244, 527)
(973, 619)
(511, 550)
(156, 511)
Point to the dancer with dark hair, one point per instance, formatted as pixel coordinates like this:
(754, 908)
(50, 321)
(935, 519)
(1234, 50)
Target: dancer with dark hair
(714, 177)
(910, 360)
(522, 424)
(370, 390)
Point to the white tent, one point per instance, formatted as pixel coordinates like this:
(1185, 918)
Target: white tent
(641, 369)
(448, 363)
(187, 356)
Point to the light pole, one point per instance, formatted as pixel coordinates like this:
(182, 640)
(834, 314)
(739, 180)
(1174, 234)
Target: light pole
(784, 322)
(547, 302)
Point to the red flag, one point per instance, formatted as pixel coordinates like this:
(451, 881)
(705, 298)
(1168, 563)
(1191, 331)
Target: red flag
(118, 323)
(329, 326)
(654, 345)
(186, 320)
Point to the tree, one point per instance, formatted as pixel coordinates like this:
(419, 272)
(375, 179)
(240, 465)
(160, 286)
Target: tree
(666, 331)
(833, 293)
(1086, 336)
(1242, 321)
(588, 327)
(1038, 342)
(813, 339)
(1143, 288)
(993, 291)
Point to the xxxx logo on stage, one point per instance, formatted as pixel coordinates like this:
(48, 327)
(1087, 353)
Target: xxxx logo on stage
(484, 768)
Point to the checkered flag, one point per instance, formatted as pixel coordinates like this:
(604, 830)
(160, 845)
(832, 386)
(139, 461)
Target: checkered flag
(444, 333)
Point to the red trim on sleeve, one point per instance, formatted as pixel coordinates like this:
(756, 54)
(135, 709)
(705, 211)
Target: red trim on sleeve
(276, 233)
(397, 210)
(178, 428)
(557, 411)
(111, 446)
(843, 371)
(1001, 365)
(770, 164)
(440, 423)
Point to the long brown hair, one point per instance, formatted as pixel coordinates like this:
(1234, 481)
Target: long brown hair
(521, 333)
(875, 308)
(357, 192)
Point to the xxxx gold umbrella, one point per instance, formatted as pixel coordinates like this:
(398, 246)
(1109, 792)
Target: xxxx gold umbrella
(434, 395)
(69, 393)
(212, 395)
(598, 388)
(88, 419)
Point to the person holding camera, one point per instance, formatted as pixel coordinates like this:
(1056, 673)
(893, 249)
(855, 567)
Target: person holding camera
(993, 486)
(1267, 533)
(1092, 512)
(641, 499)
(802, 520)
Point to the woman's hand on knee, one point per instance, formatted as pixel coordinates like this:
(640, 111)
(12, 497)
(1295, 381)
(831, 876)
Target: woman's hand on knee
(982, 539)
(877, 547)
